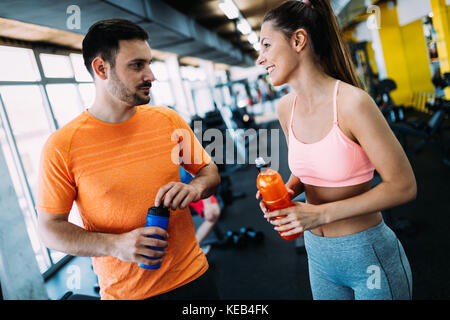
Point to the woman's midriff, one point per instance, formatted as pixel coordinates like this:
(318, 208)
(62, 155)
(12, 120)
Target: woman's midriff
(319, 195)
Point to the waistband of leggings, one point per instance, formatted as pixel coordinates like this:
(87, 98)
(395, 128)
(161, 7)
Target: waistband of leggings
(365, 237)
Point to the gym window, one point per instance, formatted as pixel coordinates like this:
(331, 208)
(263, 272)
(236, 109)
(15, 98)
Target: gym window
(41, 89)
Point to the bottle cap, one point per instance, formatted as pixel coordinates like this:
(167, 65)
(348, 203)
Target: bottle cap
(261, 163)
(160, 211)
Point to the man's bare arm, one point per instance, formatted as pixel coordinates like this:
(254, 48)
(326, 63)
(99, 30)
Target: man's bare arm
(57, 233)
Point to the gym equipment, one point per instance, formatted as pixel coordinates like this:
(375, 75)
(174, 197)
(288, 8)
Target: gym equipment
(383, 98)
(252, 235)
(360, 57)
(442, 82)
(214, 119)
(235, 239)
(231, 239)
(426, 131)
(240, 113)
(238, 240)
(274, 192)
(69, 295)
(423, 130)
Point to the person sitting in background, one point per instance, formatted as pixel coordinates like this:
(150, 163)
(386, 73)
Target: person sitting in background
(207, 208)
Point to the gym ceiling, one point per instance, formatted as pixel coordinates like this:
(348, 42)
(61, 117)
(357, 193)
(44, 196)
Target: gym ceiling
(194, 28)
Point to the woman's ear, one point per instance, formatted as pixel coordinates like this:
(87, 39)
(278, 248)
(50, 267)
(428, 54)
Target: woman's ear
(299, 39)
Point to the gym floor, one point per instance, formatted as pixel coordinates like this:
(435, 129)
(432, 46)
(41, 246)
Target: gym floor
(273, 270)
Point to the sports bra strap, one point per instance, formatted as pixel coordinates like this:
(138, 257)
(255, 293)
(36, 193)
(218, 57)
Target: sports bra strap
(335, 121)
(292, 111)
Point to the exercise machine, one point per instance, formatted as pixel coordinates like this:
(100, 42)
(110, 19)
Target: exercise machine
(427, 132)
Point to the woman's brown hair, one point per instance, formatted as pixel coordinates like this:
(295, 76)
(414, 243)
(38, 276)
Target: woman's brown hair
(319, 21)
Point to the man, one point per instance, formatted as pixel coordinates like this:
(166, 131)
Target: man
(117, 159)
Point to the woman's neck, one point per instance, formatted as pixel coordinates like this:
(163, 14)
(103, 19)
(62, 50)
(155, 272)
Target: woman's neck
(312, 86)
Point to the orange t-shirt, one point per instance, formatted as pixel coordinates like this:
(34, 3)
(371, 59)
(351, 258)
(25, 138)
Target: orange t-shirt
(113, 172)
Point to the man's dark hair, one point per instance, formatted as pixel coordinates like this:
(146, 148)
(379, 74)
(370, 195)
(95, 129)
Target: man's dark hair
(102, 39)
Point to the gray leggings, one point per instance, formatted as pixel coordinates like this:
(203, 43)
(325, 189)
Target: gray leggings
(369, 265)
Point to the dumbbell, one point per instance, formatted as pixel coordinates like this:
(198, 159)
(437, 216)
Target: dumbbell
(249, 233)
(235, 239)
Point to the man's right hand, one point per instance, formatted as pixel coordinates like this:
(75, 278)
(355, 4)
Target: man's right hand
(133, 246)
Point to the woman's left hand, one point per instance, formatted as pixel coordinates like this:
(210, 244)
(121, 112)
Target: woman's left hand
(300, 217)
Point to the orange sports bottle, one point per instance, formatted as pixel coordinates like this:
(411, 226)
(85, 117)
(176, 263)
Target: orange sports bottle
(274, 192)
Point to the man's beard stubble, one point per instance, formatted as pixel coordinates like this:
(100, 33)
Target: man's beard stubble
(121, 92)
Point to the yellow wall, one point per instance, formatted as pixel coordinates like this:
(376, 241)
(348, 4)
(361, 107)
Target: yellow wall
(416, 57)
(406, 56)
(349, 35)
(447, 91)
(394, 54)
(441, 22)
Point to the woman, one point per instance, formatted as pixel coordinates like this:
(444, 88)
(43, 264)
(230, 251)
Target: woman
(337, 137)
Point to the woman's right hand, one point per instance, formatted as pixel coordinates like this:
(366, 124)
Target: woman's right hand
(261, 203)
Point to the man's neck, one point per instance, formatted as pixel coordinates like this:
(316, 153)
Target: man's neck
(111, 111)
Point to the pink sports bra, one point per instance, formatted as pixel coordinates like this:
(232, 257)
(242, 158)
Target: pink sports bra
(334, 161)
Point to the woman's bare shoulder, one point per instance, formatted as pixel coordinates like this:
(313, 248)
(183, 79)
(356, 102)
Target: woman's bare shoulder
(351, 98)
(353, 105)
(284, 106)
(286, 100)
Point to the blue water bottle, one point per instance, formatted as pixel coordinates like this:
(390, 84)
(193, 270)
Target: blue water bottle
(156, 217)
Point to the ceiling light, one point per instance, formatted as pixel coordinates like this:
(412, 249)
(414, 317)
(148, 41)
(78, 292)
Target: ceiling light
(257, 46)
(229, 8)
(244, 27)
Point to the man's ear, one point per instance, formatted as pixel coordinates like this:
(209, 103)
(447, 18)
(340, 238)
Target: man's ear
(299, 39)
(99, 67)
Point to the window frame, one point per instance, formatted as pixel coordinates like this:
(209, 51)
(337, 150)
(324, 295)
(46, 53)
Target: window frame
(53, 267)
